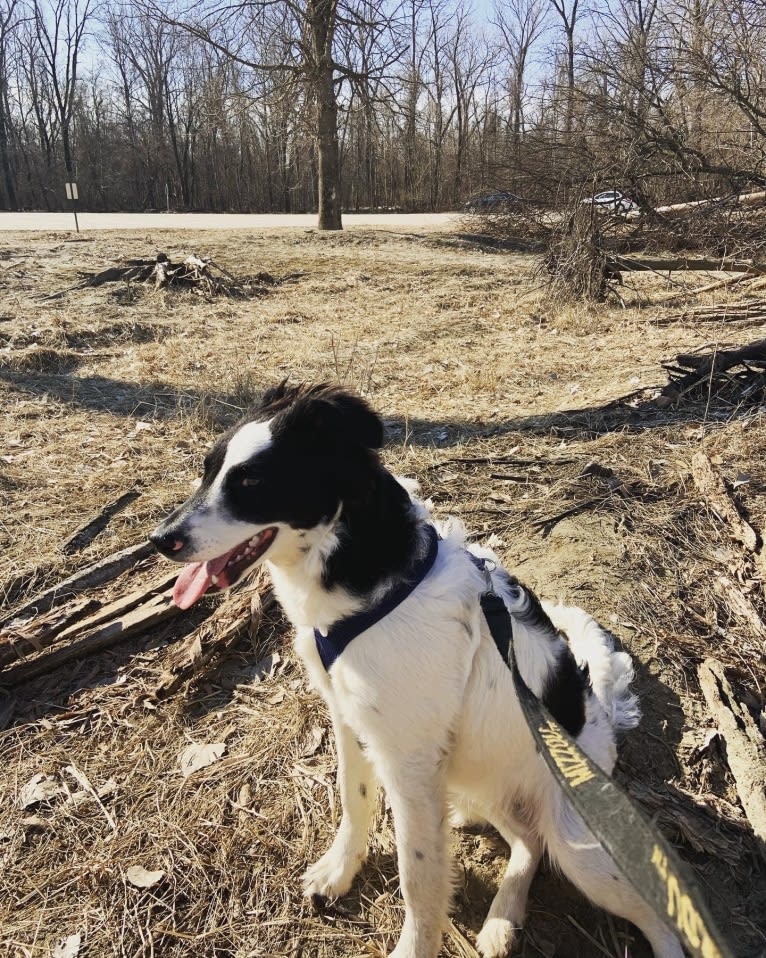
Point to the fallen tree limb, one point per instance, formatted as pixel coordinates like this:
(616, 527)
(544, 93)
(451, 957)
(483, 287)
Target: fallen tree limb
(93, 575)
(744, 746)
(103, 630)
(714, 490)
(84, 536)
(707, 288)
(631, 264)
(748, 311)
(739, 605)
(42, 631)
(713, 371)
(697, 824)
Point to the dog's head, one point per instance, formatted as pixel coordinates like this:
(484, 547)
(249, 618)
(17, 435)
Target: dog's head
(286, 468)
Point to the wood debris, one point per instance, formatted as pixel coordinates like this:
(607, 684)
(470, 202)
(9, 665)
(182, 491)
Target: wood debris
(746, 311)
(239, 612)
(744, 746)
(116, 622)
(202, 275)
(98, 573)
(737, 376)
(714, 490)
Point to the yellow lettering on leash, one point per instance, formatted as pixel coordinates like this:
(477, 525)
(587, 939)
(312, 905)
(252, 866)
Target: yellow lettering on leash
(681, 910)
(570, 763)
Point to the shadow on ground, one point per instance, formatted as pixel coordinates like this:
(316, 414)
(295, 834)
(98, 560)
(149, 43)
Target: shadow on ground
(162, 401)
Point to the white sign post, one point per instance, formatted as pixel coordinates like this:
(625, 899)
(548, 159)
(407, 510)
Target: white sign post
(71, 194)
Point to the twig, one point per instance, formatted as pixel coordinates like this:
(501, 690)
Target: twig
(84, 536)
(546, 526)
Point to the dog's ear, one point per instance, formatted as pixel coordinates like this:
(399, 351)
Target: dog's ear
(279, 396)
(329, 413)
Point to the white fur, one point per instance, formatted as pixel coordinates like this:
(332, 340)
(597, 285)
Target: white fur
(422, 703)
(426, 695)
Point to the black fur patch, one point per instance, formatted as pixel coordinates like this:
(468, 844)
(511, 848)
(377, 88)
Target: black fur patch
(322, 460)
(565, 691)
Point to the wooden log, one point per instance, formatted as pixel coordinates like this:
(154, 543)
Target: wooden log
(158, 608)
(707, 288)
(709, 364)
(678, 812)
(744, 746)
(619, 264)
(739, 606)
(93, 575)
(713, 489)
(41, 632)
(744, 199)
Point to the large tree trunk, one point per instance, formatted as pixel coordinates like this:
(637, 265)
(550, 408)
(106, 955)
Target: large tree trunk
(322, 24)
(328, 154)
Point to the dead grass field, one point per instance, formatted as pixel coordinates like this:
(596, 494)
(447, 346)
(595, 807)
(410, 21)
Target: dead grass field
(120, 387)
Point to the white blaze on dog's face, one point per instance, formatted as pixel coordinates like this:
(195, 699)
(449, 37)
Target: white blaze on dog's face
(265, 479)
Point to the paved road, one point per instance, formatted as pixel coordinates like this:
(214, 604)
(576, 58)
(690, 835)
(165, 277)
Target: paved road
(214, 221)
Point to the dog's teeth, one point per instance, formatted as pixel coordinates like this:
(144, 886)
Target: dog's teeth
(214, 579)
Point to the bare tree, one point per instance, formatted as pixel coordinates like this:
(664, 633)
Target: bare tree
(9, 20)
(569, 17)
(60, 28)
(520, 23)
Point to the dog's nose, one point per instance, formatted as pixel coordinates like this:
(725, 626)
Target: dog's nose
(168, 543)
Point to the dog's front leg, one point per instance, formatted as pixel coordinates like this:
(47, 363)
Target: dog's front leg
(332, 875)
(418, 801)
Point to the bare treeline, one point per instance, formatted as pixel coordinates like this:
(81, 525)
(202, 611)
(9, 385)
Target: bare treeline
(292, 105)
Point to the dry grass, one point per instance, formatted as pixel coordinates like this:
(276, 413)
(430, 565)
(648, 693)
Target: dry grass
(497, 403)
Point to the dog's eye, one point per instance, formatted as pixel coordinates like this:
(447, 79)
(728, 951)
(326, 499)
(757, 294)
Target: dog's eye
(248, 482)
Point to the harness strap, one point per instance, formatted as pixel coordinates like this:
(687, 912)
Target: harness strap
(342, 633)
(646, 860)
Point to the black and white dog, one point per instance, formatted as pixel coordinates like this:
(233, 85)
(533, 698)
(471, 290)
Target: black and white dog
(421, 700)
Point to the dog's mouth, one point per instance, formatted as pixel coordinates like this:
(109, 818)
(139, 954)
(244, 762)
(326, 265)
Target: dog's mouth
(198, 578)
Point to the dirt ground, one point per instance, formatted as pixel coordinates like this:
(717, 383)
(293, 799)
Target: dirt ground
(500, 403)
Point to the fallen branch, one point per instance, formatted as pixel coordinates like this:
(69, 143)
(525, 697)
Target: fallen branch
(42, 632)
(201, 275)
(744, 746)
(707, 288)
(713, 489)
(121, 620)
(739, 606)
(623, 264)
(93, 575)
(84, 536)
(737, 374)
(697, 824)
(749, 311)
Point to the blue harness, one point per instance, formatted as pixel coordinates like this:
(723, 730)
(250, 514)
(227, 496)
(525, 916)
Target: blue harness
(342, 633)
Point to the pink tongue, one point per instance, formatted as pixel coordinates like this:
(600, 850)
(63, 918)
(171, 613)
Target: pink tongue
(196, 579)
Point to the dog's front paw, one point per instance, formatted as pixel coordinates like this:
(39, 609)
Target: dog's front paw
(331, 876)
(496, 938)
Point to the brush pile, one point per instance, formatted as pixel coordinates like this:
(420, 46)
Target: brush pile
(734, 376)
(202, 276)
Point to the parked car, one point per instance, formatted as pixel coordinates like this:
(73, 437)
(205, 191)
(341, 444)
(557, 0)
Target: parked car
(495, 202)
(612, 201)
